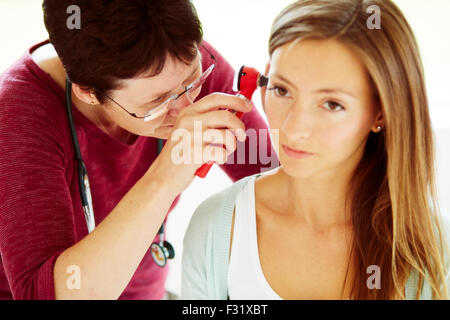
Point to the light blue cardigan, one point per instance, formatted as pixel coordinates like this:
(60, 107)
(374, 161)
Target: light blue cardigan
(207, 245)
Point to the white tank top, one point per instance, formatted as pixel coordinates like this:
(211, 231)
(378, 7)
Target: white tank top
(246, 279)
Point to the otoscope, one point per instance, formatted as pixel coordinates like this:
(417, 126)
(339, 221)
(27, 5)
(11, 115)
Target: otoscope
(246, 81)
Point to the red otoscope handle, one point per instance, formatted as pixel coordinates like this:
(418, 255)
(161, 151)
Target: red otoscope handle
(247, 82)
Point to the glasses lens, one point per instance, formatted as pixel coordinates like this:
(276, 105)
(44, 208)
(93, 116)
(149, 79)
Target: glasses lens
(157, 111)
(192, 90)
(195, 86)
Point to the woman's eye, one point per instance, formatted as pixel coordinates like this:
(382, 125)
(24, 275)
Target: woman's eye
(331, 105)
(279, 91)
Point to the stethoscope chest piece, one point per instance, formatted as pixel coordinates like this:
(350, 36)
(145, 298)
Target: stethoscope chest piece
(158, 254)
(162, 251)
(169, 250)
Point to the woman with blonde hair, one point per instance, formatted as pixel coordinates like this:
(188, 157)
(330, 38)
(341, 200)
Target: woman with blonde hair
(352, 211)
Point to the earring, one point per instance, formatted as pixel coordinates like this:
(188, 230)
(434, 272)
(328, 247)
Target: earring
(379, 128)
(92, 97)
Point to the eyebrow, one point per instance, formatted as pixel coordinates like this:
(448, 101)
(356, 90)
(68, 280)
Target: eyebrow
(323, 90)
(166, 94)
(335, 90)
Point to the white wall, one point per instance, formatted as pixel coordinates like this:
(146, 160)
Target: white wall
(240, 30)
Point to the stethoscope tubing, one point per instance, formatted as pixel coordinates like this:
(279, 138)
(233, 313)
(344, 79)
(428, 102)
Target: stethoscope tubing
(84, 187)
(83, 179)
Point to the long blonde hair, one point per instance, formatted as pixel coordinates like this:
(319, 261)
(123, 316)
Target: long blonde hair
(395, 212)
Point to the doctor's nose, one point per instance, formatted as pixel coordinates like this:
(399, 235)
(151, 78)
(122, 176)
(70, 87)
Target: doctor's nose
(182, 102)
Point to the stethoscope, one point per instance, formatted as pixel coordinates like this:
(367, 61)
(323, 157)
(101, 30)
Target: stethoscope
(161, 250)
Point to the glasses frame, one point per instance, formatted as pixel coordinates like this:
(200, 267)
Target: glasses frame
(152, 114)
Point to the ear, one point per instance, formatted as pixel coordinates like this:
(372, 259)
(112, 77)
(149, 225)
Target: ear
(87, 96)
(378, 122)
(264, 89)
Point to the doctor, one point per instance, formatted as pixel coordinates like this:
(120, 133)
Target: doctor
(127, 60)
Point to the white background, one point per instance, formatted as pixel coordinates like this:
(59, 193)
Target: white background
(240, 30)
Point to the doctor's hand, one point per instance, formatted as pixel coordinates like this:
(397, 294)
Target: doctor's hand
(135, 220)
(203, 132)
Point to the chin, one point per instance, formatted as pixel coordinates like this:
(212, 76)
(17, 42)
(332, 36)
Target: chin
(298, 173)
(298, 170)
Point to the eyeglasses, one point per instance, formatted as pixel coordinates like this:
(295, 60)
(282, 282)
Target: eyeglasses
(192, 90)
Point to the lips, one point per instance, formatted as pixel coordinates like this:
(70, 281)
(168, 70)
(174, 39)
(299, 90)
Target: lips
(297, 151)
(296, 154)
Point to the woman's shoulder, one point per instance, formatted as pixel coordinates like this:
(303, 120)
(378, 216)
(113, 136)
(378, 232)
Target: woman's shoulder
(206, 244)
(445, 232)
(214, 210)
(443, 226)
(214, 214)
(443, 221)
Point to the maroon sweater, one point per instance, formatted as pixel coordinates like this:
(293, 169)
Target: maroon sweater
(40, 207)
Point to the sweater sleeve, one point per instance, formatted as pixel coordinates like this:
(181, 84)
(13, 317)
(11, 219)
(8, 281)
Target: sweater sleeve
(446, 236)
(196, 244)
(206, 246)
(444, 227)
(36, 213)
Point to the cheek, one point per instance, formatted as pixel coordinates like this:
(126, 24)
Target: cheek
(275, 116)
(138, 126)
(341, 140)
(336, 136)
(153, 124)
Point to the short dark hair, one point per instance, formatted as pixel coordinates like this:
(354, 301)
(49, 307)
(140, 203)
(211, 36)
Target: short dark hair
(121, 39)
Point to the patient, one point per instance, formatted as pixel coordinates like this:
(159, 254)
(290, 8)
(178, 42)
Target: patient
(354, 215)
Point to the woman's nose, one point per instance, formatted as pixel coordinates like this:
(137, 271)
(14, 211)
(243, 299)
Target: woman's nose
(298, 122)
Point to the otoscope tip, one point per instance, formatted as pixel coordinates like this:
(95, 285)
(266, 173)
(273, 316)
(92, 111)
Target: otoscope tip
(263, 81)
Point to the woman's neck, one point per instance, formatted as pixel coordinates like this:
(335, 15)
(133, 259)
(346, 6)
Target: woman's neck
(316, 202)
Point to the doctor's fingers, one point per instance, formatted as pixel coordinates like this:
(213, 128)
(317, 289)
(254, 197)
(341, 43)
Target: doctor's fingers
(216, 101)
(219, 119)
(221, 137)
